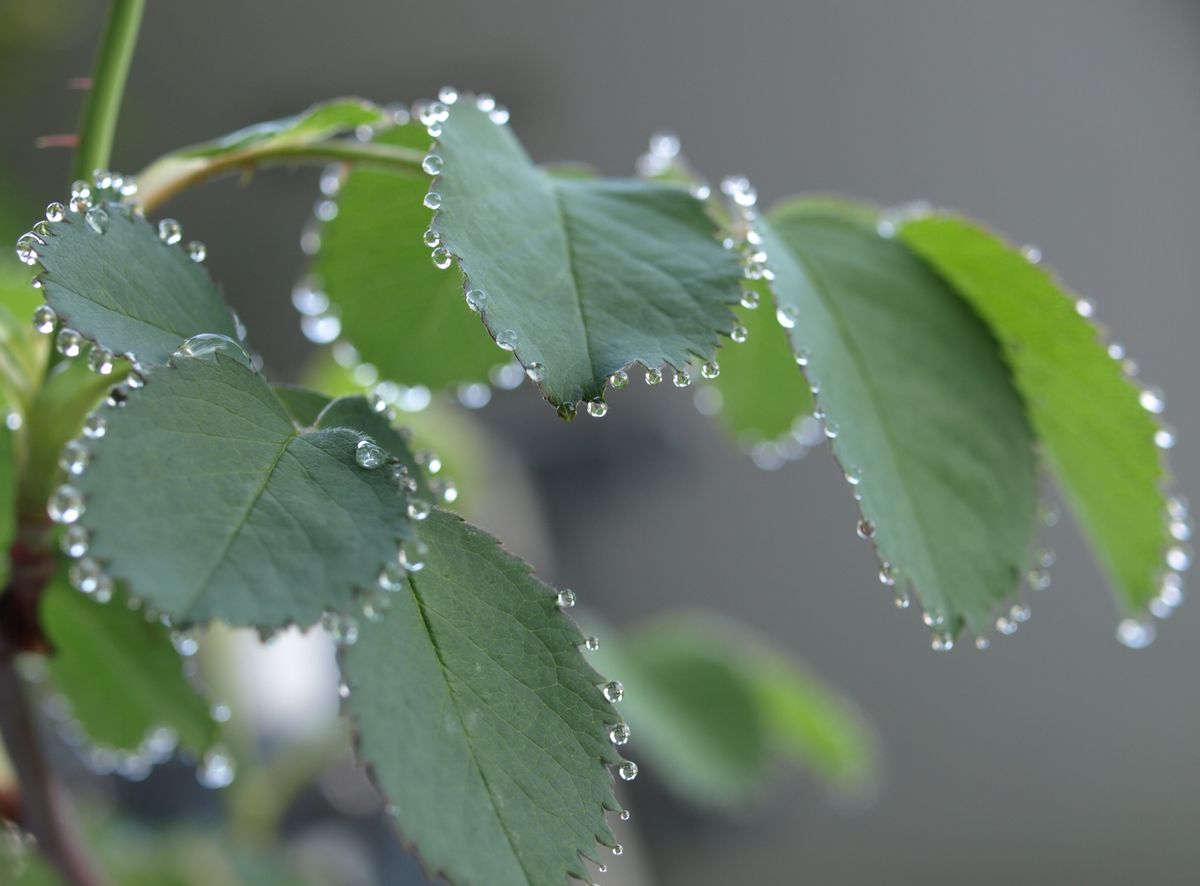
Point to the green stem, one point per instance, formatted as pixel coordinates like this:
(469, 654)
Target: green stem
(170, 175)
(103, 104)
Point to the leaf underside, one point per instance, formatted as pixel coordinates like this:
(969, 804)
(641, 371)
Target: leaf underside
(120, 672)
(922, 405)
(210, 502)
(479, 718)
(400, 312)
(583, 276)
(1094, 433)
(126, 289)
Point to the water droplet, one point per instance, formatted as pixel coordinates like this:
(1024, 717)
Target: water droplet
(619, 734)
(433, 200)
(613, 691)
(507, 340)
(853, 475)
(475, 395)
(441, 258)
(392, 577)
(786, 315)
(74, 541)
(1019, 613)
(343, 690)
(1038, 579)
(1085, 308)
(536, 372)
(831, 429)
(1164, 437)
(476, 299)
(498, 115)
(597, 408)
(682, 378)
(66, 504)
(739, 334)
(565, 599)
(368, 455)
(55, 212)
(628, 770)
(1032, 254)
(982, 643)
(207, 345)
(1006, 626)
(411, 556)
(865, 528)
(711, 369)
(624, 815)
(97, 219)
(1179, 558)
(170, 231)
(1152, 400)
(95, 426)
(197, 251)
(900, 598)
(27, 249)
(44, 319)
(933, 618)
(85, 575)
(100, 360)
(1181, 530)
(185, 643)
(74, 458)
(418, 509)
(431, 238)
(217, 769)
(942, 642)
(654, 376)
(619, 379)
(69, 342)
(432, 164)
(321, 330)
(447, 95)
(592, 644)
(1135, 634)
(342, 628)
(750, 299)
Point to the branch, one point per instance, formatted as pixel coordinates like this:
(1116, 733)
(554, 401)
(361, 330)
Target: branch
(103, 104)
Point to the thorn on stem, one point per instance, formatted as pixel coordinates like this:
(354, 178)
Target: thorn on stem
(64, 140)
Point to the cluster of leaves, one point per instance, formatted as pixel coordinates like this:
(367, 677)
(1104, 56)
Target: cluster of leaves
(939, 360)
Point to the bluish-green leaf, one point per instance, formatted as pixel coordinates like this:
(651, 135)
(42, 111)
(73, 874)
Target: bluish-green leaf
(208, 500)
(580, 277)
(921, 406)
(480, 720)
(404, 315)
(1088, 416)
(127, 289)
(120, 672)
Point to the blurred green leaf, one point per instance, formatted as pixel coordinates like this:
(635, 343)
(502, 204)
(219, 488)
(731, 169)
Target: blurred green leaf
(1086, 412)
(582, 277)
(763, 392)
(120, 672)
(399, 311)
(126, 289)
(210, 503)
(923, 413)
(715, 710)
(479, 718)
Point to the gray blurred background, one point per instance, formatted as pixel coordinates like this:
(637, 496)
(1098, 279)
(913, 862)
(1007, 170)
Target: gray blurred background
(1055, 757)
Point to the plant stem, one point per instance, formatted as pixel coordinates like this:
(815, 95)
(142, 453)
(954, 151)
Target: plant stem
(169, 176)
(44, 810)
(103, 104)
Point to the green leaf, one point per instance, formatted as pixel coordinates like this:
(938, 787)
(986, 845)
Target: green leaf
(317, 124)
(715, 710)
(399, 311)
(921, 406)
(209, 502)
(126, 289)
(120, 672)
(479, 718)
(582, 277)
(763, 393)
(321, 121)
(1086, 412)
(303, 405)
